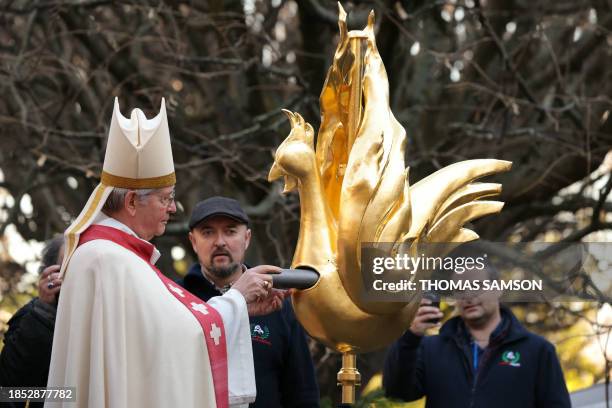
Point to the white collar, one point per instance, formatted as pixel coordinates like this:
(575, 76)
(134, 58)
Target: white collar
(105, 220)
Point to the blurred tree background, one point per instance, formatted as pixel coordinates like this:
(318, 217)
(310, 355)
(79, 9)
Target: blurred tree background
(526, 81)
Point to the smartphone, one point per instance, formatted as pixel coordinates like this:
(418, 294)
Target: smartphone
(435, 302)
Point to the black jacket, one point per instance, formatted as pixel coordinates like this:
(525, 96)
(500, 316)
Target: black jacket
(26, 354)
(518, 370)
(284, 372)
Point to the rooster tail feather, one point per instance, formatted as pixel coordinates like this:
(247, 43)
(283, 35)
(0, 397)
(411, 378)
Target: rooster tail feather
(437, 188)
(398, 220)
(467, 194)
(447, 227)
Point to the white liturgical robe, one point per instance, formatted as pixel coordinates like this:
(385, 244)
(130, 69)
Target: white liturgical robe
(123, 339)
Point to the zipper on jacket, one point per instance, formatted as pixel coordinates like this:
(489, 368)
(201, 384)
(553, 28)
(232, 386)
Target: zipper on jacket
(471, 376)
(476, 371)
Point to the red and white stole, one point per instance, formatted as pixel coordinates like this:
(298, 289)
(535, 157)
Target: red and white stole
(209, 319)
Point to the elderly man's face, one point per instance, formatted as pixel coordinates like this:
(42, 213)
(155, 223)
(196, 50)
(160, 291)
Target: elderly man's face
(154, 211)
(220, 243)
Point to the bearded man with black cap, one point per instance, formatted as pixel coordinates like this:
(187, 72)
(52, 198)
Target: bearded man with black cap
(125, 335)
(284, 372)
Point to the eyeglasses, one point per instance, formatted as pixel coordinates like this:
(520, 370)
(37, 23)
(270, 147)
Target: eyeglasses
(167, 200)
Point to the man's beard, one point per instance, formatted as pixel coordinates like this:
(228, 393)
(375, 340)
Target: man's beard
(223, 272)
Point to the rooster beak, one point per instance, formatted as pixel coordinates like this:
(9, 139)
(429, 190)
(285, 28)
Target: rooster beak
(275, 172)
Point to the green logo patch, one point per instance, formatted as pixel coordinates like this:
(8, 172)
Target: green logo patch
(511, 358)
(260, 332)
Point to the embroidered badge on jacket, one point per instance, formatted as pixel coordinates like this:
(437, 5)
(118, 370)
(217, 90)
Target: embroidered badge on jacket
(511, 358)
(260, 333)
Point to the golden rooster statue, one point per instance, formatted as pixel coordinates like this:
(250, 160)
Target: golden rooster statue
(354, 189)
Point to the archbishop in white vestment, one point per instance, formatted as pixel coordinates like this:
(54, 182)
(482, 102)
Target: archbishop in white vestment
(125, 335)
(123, 340)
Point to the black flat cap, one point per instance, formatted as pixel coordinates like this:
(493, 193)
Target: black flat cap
(217, 206)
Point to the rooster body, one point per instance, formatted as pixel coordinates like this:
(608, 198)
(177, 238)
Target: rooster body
(354, 190)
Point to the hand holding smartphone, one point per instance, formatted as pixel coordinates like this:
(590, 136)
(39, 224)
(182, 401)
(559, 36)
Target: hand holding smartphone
(435, 302)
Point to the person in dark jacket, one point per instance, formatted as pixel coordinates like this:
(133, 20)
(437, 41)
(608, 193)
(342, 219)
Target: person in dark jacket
(26, 355)
(482, 358)
(284, 371)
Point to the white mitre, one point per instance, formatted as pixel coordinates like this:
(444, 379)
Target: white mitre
(138, 155)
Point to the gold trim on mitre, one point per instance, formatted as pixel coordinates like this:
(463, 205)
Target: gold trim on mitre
(132, 183)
